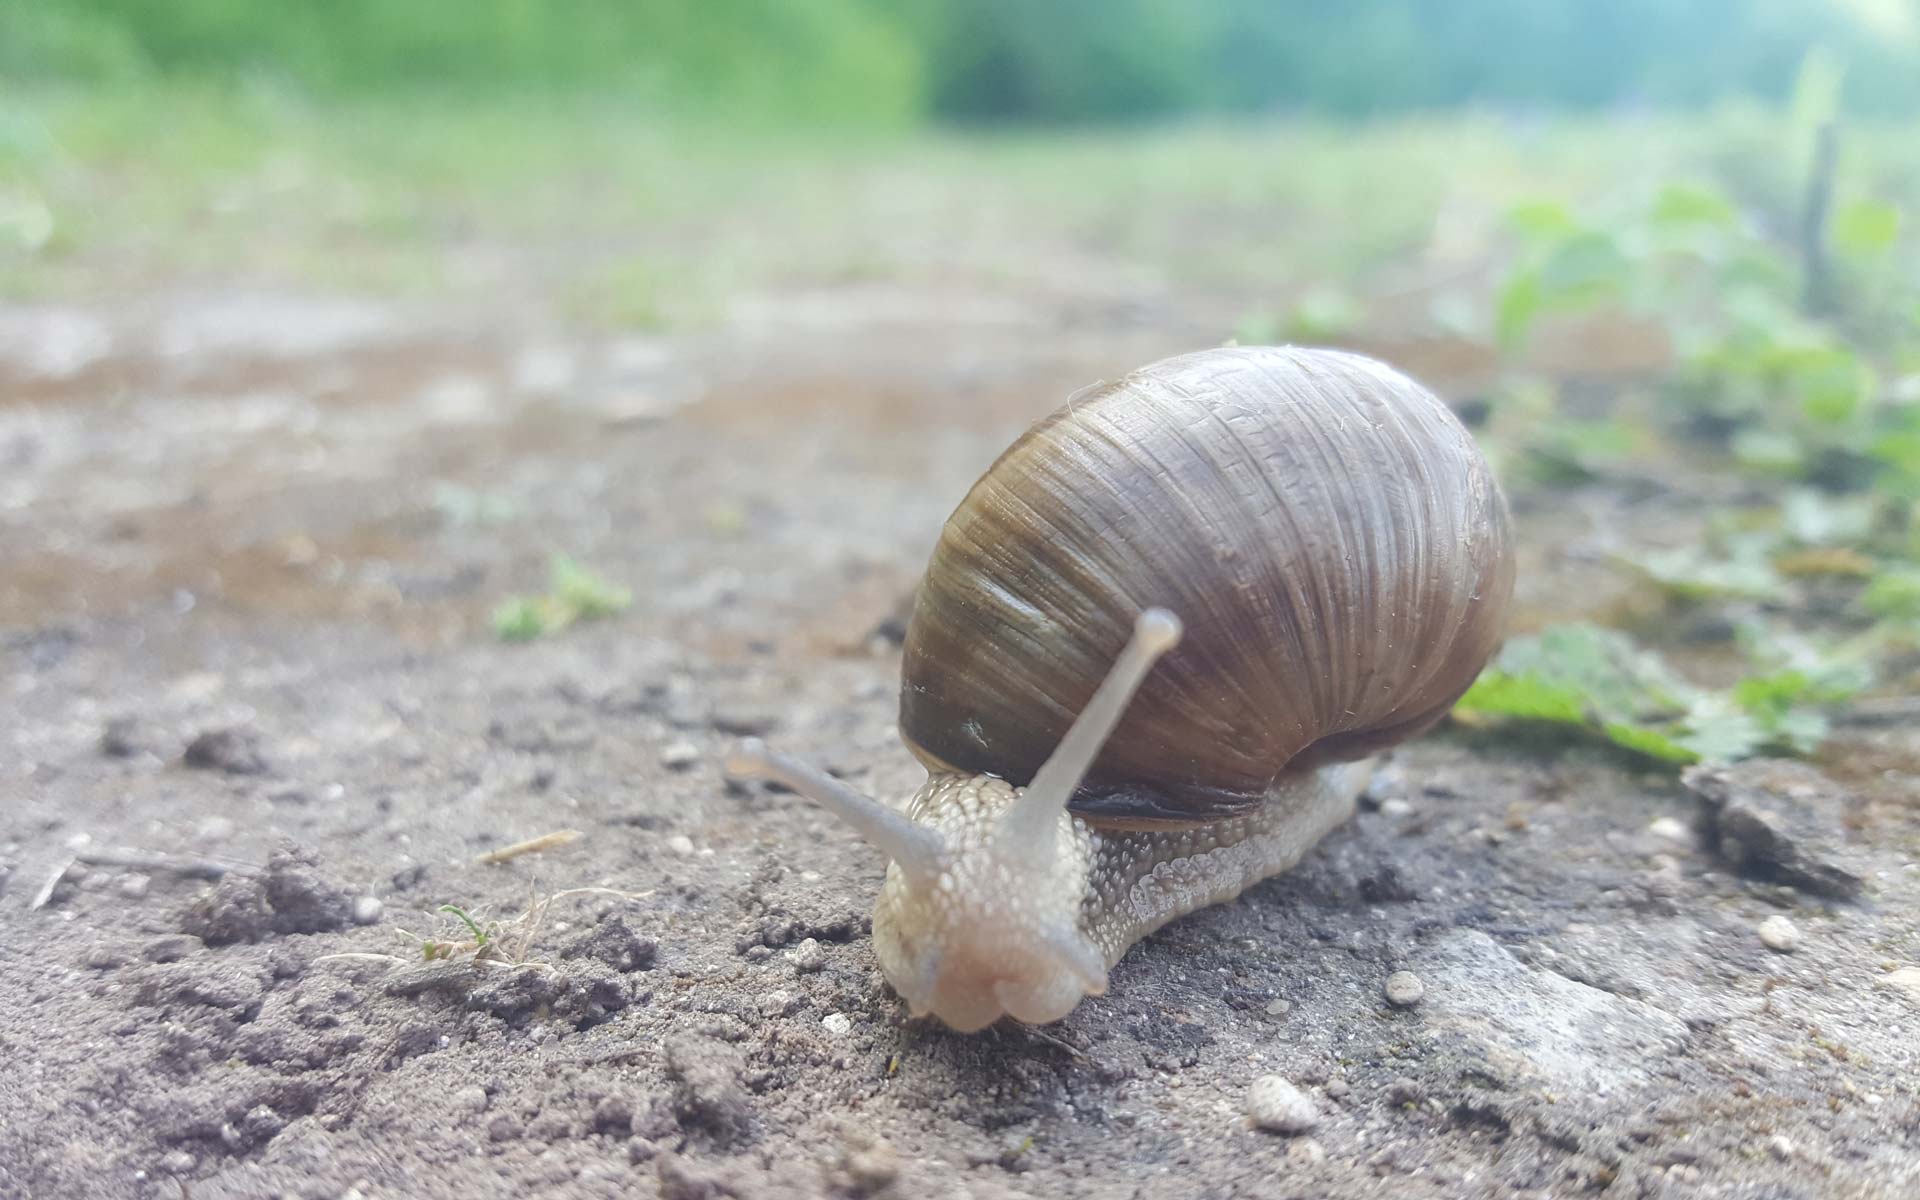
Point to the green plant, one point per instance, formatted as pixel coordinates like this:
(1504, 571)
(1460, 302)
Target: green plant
(574, 594)
(1587, 681)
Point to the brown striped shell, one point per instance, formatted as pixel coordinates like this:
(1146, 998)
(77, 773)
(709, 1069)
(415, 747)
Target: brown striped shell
(1324, 526)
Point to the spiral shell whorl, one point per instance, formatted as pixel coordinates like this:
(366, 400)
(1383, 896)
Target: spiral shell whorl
(1326, 528)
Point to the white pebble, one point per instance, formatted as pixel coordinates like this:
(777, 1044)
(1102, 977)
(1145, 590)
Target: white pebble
(837, 1024)
(680, 755)
(472, 1098)
(216, 829)
(1279, 1008)
(1670, 829)
(807, 956)
(367, 909)
(133, 887)
(1404, 989)
(680, 844)
(1396, 808)
(1275, 1104)
(1779, 934)
(1780, 1146)
(1305, 1152)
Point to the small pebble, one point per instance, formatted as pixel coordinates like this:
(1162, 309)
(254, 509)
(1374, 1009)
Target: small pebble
(104, 958)
(1395, 808)
(778, 1003)
(1404, 989)
(837, 1024)
(1339, 1089)
(1779, 934)
(134, 887)
(680, 844)
(678, 756)
(1670, 829)
(872, 1168)
(171, 947)
(613, 1114)
(1275, 1104)
(1305, 1152)
(1279, 1008)
(1780, 1146)
(505, 1127)
(472, 1098)
(1906, 979)
(176, 1162)
(216, 829)
(367, 909)
(808, 956)
(1388, 783)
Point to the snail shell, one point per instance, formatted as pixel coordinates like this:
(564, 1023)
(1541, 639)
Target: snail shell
(1325, 528)
(1154, 647)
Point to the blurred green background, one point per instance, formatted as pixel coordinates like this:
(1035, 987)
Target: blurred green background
(1653, 247)
(903, 61)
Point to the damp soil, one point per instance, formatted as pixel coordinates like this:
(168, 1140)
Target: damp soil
(249, 546)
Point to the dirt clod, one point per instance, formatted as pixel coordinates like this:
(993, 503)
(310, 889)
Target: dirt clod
(867, 1166)
(615, 944)
(1781, 820)
(707, 1092)
(170, 948)
(124, 737)
(290, 896)
(236, 751)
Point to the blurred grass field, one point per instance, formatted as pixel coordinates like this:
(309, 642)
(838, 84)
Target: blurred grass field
(1748, 253)
(623, 218)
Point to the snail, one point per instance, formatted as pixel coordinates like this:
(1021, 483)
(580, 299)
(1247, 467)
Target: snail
(1155, 652)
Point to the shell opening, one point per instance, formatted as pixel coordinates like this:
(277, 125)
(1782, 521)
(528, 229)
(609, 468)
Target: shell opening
(917, 850)
(1032, 820)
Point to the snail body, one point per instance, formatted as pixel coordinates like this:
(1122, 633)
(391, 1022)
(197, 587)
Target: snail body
(1315, 554)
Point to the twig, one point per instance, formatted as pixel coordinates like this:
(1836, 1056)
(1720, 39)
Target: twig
(546, 841)
(45, 893)
(1037, 1032)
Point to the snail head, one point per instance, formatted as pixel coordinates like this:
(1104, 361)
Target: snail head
(981, 913)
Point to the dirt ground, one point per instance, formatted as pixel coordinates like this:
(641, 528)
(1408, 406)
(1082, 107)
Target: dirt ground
(251, 543)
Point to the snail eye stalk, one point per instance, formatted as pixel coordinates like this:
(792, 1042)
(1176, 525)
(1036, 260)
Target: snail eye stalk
(917, 849)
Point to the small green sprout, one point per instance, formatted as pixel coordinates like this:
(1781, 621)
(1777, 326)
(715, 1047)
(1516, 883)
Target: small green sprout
(575, 594)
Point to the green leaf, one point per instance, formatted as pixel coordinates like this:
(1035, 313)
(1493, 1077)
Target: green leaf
(1893, 593)
(1545, 220)
(1866, 228)
(522, 619)
(480, 937)
(1746, 572)
(1720, 732)
(1323, 314)
(1649, 742)
(1595, 682)
(1693, 204)
(1582, 269)
(585, 594)
(1528, 697)
(1519, 305)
